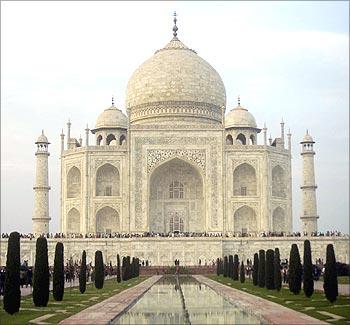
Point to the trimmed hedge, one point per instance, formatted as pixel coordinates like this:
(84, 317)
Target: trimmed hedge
(330, 284)
(119, 279)
(269, 270)
(277, 270)
(242, 273)
(295, 270)
(230, 266)
(261, 269)
(235, 267)
(41, 280)
(12, 291)
(58, 273)
(225, 266)
(99, 270)
(308, 279)
(255, 269)
(82, 273)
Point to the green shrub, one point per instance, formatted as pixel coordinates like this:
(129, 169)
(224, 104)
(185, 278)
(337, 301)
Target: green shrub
(308, 279)
(119, 279)
(99, 270)
(12, 291)
(255, 269)
(124, 275)
(261, 270)
(58, 273)
(295, 270)
(230, 266)
(277, 270)
(235, 272)
(330, 279)
(242, 273)
(269, 270)
(225, 266)
(82, 274)
(41, 279)
(218, 266)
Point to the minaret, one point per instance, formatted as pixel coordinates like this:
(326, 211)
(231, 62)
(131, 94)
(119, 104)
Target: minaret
(309, 214)
(41, 217)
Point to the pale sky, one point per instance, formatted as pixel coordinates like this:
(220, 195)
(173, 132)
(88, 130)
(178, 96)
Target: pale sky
(66, 59)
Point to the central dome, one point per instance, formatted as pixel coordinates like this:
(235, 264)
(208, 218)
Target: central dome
(175, 82)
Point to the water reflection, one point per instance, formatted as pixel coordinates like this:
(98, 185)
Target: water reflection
(164, 304)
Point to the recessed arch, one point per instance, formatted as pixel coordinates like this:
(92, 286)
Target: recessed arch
(73, 183)
(176, 196)
(111, 140)
(244, 180)
(241, 139)
(73, 221)
(107, 220)
(244, 220)
(278, 220)
(99, 140)
(252, 140)
(229, 139)
(122, 139)
(107, 181)
(278, 182)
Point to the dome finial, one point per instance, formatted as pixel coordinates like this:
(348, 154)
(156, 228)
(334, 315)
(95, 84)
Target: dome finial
(239, 100)
(175, 27)
(112, 101)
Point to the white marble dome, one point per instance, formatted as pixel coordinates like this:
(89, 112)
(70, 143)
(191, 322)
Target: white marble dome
(42, 138)
(308, 138)
(239, 117)
(175, 81)
(112, 117)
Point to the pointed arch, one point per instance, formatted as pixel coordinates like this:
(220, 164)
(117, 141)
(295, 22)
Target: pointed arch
(73, 183)
(111, 140)
(278, 182)
(107, 220)
(241, 139)
(73, 221)
(229, 139)
(107, 181)
(278, 220)
(122, 139)
(244, 180)
(99, 140)
(244, 220)
(252, 139)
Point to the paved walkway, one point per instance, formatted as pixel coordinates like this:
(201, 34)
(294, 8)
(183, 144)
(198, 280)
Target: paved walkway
(105, 311)
(343, 289)
(269, 311)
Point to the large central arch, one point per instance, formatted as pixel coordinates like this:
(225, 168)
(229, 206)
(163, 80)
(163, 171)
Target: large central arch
(176, 198)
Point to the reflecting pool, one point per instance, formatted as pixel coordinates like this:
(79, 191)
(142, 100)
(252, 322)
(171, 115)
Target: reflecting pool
(183, 300)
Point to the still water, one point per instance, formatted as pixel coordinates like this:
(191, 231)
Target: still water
(183, 302)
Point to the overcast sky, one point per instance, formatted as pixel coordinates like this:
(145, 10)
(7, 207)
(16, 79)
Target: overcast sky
(66, 59)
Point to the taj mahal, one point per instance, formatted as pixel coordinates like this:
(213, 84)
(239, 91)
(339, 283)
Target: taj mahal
(179, 161)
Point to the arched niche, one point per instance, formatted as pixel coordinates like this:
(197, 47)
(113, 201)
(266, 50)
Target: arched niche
(241, 139)
(107, 181)
(244, 220)
(73, 221)
(244, 180)
(278, 182)
(278, 220)
(229, 139)
(107, 220)
(252, 140)
(111, 140)
(176, 198)
(99, 140)
(122, 139)
(73, 183)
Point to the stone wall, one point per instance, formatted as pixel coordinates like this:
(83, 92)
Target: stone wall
(163, 251)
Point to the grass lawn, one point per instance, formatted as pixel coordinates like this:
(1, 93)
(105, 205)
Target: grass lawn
(301, 303)
(73, 302)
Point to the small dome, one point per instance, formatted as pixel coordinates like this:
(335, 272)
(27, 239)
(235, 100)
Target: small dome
(239, 117)
(42, 138)
(112, 117)
(308, 138)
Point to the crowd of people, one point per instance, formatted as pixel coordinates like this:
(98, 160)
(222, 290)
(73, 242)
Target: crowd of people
(333, 233)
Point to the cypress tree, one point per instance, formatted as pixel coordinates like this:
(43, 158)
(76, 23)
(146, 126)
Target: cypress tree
(235, 272)
(242, 273)
(295, 270)
(230, 266)
(218, 266)
(58, 273)
(269, 270)
(308, 279)
(277, 270)
(41, 280)
(330, 284)
(137, 267)
(261, 270)
(82, 274)
(12, 291)
(99, 270)
(225, 266)
(119, 279)
(124, 269)
(255, 269)
(128, 268)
